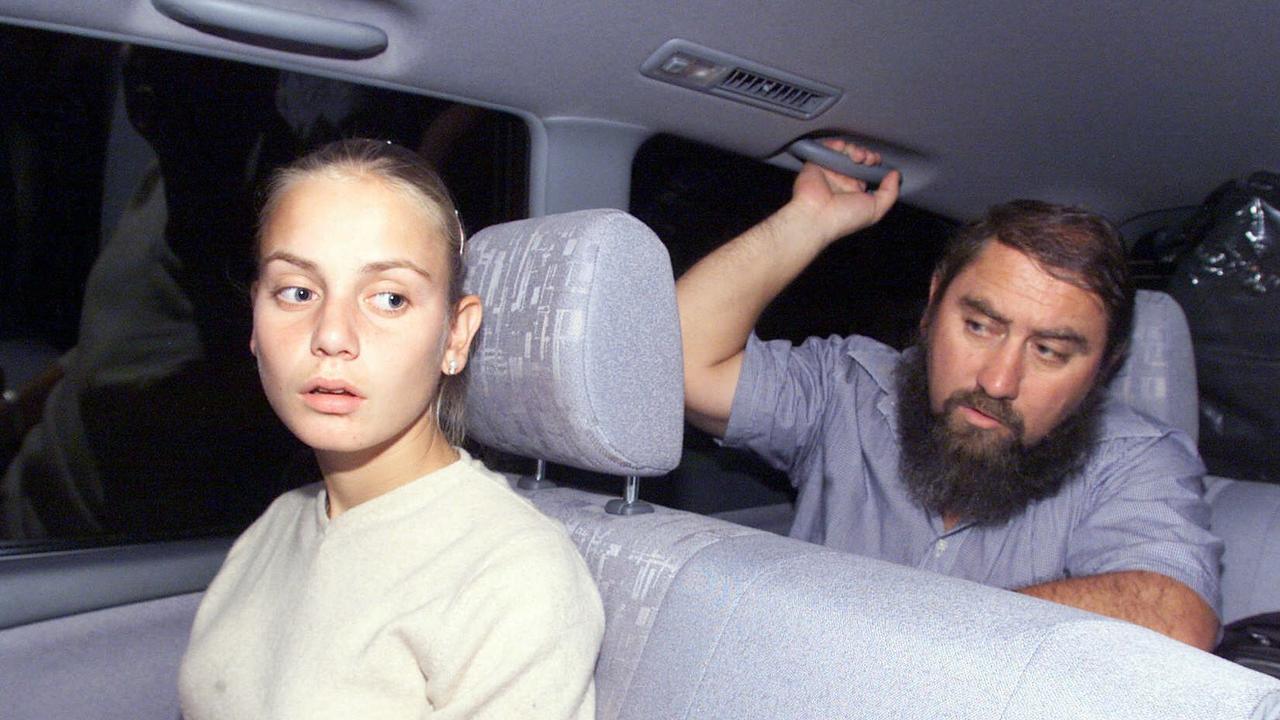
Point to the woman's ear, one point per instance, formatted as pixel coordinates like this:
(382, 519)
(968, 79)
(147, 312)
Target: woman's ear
(467, 314)
(253, 334)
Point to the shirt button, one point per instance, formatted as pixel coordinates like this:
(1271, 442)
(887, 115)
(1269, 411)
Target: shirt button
(941, 548)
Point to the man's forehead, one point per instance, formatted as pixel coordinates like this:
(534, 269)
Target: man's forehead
(1011, 286)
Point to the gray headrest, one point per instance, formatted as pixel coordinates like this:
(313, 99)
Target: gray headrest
(1159, 375)
(578, 358)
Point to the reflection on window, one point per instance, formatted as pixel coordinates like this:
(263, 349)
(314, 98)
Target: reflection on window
(128, 183)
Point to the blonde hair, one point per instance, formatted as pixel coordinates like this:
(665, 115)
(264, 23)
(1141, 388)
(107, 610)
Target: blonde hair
(407, 172)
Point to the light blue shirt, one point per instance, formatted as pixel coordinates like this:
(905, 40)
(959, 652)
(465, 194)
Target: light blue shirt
(825, 413)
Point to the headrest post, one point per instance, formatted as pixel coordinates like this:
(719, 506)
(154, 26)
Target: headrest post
(539, 479)
(630, 504)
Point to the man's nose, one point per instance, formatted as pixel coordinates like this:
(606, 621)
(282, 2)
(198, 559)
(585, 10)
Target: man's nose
(335, 332)
(1001, 372)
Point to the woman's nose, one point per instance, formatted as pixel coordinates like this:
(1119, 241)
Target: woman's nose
(335, 333)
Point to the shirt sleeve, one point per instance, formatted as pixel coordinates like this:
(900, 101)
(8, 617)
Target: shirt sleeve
(782, 394)
(521, 639)
(1147, 512)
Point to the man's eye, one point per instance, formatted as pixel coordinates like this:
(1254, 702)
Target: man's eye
(295, 295)
(975, 327)
(389, 301)
(1047, 352)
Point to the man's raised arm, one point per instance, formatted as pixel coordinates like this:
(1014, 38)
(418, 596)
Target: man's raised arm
(721, 297)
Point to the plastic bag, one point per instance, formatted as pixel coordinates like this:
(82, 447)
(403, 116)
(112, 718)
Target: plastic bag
(1227, 280)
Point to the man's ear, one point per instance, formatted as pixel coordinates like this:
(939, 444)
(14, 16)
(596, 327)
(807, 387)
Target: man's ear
(928, 308)
(467, 314)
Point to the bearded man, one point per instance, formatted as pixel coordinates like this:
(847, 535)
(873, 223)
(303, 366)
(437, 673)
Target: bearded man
(988, 451)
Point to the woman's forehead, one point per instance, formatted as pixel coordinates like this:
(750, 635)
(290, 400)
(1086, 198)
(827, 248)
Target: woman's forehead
(360, 216)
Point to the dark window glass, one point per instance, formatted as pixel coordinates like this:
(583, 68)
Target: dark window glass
(129, 180)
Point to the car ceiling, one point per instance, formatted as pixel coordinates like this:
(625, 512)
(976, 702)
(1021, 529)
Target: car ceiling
(1125, 107)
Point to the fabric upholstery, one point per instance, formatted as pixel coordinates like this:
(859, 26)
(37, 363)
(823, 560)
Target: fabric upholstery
(115, 664)
(1159, 375)
(1246, 515)
(578, 357)
(1105, 669)
(706, 619)
(633, 560)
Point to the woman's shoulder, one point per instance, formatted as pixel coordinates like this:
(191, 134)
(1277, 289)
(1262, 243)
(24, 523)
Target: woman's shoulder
(527, 534)
(286, 509)
(492, 491)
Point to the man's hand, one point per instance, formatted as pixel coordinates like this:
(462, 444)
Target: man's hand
(721, 298)
(1143, 598)
(836, 205)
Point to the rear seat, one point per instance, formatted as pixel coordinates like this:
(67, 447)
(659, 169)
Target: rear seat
(1159, 378)
(1246, 515)
(709, 619)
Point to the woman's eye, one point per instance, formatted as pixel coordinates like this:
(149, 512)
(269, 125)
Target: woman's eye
(389, 301)
(295, 295)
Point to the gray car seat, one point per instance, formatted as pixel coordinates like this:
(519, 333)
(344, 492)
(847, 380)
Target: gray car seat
(710, 619)
(1159, 378)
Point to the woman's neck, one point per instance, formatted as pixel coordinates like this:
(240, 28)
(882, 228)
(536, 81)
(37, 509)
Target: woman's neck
(354, 478)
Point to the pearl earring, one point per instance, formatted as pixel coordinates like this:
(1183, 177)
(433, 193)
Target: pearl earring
(453, 367)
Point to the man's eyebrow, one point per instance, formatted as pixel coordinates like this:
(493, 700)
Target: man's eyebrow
(1064, 334)
(978, 304)
(382, 265)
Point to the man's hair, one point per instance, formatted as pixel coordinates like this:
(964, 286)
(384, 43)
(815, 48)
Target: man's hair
(1069, 243)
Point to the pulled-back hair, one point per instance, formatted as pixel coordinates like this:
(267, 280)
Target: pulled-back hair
(1069, 243)
(409, 173)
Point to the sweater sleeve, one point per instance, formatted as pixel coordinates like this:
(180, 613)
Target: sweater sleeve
(520, 639)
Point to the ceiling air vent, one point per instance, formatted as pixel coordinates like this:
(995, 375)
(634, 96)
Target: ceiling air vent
(683, 63)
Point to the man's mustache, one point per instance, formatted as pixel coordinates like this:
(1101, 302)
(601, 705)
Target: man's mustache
(997, 408)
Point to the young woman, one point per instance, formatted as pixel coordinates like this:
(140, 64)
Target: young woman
(411, 582)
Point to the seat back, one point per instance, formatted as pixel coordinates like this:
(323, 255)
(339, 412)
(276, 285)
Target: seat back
(1158, 376)
(1246, 515)
(707, 619)
(578, 362)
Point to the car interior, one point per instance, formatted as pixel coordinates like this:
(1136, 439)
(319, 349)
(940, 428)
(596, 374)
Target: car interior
(597, 151)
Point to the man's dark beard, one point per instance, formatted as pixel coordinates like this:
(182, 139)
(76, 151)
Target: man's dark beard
(971, 474)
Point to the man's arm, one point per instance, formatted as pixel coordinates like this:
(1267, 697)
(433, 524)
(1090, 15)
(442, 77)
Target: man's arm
(1140, 597)
(721, 297)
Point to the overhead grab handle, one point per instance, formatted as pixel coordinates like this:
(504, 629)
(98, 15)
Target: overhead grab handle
(815, 152)
(277, 29)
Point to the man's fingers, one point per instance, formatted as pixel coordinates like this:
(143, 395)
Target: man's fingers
(887, 194)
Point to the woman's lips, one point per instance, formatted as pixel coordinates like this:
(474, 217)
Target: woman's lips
(331, 397)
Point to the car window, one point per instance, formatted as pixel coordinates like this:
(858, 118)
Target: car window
(129, 178)
(697, 197)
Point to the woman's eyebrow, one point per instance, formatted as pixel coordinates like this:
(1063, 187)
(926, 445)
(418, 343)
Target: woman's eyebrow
(290, 258)
(382, 265)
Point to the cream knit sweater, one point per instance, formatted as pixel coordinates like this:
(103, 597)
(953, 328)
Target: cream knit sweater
(449, 597)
